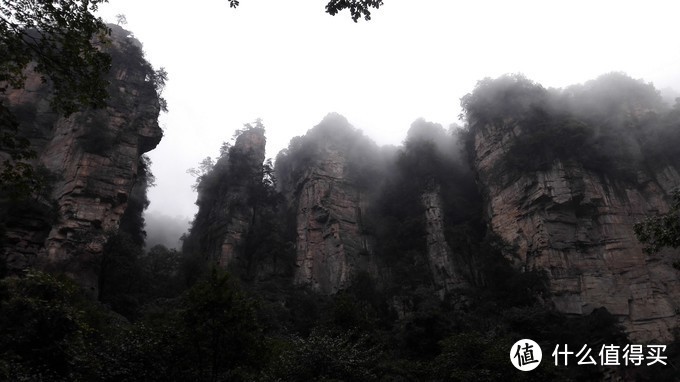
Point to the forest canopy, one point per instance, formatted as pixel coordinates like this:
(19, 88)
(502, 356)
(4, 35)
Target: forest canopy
(611, 125)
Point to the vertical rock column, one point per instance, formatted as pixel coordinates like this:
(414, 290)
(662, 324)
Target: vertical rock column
(237, 214)
(439, 253)
(329, 240)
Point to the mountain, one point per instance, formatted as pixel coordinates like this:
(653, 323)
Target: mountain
(566, 176)
(344, 260)
(92, 167)
(559, 177)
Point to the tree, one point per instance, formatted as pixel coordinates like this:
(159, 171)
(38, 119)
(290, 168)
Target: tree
(203, 170)
(46, 324)
(221, 328)
(58, 36)
(357, 8)
(55, 39)
(663, 230)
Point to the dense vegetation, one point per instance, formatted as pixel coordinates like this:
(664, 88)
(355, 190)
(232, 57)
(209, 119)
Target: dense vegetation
(613, 125)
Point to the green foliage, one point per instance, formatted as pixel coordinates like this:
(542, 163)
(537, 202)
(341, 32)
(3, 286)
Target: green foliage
(509, 96)
(17, 176)
(132, 221)
(662, 230)
(146, 352)
(418, 334)
(48, 327)
(137, 94)
(238, 183)
(30, 206)
(357, 8)
(612, 98)
(498, 284)
(141, 87)
(326, 356)
(660, 137)
(209, 333)
(200, 173)
(335, 134)
(58, 37)
(128, 277)
(603, 125)
(475, 356)
(266, 245)
(221, 327)
(121, 278)
(52, 332)
(162, 268)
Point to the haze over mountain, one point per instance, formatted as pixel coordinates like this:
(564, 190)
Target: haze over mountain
(549, 212)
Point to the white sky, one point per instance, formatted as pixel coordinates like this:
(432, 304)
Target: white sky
(290, 63)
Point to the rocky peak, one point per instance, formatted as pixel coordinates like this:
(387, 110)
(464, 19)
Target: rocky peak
(227, 201)
(93, 157)
(328, 206)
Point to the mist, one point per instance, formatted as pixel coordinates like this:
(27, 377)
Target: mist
(164, 229)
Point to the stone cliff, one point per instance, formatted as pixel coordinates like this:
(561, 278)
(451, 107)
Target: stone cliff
(578, 226)
(226, 202)
(440, 256)
(319, 233)
(414, 219)
(327, 204)
(329, 239)
(93, 159)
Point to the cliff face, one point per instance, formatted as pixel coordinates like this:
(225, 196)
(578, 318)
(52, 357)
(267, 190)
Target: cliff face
(328, 225)
(578, 226)
(315, 229)
(320, 189)
(93, 159)
(342, 191)
(440, 256)
(250, 147)
(226, 202)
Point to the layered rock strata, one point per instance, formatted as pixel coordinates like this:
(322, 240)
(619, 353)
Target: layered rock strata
(578, 226)
(439, 253)
(250, 147)
(227, 203)
(94, 157)
(330, 246)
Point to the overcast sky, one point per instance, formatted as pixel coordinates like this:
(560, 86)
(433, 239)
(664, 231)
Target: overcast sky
(290, 63)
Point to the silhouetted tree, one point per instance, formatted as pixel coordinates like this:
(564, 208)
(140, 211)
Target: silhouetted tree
(357, 8)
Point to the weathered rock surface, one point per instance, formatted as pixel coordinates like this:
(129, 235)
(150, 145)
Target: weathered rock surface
(226, 209)
(440, 256)
(251, 146)
(578, 226)
(330, 244)
(95, 157)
